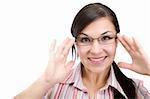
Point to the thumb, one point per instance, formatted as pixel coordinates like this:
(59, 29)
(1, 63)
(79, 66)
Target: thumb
(69, 66)
(125, 65)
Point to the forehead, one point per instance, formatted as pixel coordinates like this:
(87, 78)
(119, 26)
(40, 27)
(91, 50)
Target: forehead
(98, 27)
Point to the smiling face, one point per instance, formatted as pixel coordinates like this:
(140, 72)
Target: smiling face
(98, 57)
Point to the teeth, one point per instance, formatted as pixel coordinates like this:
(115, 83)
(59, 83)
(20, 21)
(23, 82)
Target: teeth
(97, 59)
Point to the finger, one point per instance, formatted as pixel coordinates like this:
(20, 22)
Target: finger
(68, 46)
(62, 46)
(125, 65)
(129, 42)
(137, 45)
(65, 52)
(69, 66)
(122, 41)
(52, 46)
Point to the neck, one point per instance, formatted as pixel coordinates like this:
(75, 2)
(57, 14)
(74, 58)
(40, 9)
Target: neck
(94, 81)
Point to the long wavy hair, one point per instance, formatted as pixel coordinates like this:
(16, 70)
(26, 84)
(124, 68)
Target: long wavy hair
(87, 15)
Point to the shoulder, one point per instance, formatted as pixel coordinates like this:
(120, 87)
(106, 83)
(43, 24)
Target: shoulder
(141, 91)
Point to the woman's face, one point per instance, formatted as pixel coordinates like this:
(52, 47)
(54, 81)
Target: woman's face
(97, 55)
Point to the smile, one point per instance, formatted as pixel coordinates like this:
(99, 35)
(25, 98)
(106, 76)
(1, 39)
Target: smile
(97, 60)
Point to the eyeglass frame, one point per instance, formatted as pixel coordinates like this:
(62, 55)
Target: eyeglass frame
(92, 39)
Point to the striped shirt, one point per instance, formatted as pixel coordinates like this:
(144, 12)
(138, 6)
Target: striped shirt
(73, 88)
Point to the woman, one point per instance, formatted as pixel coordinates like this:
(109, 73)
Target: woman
(95, 29)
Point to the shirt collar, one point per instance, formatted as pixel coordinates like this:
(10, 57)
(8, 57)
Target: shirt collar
(76, 79)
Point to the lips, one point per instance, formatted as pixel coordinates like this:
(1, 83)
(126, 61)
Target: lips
(97, 59)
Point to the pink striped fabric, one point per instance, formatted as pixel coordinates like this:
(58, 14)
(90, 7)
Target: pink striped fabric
(72, 88)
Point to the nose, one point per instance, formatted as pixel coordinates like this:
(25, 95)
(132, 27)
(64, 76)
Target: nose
(96, 47)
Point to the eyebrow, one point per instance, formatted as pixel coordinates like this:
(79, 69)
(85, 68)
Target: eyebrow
(105, 32)
(101, 34)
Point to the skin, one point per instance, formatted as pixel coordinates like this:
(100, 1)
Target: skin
(97, 58)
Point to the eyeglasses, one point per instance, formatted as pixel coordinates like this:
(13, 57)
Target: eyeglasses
(85, 40)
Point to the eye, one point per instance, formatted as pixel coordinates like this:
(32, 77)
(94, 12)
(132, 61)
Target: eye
(84, 40)
(106, 38)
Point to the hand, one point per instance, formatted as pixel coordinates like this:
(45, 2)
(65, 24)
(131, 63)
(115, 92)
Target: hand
(57, 68)
(140, 60)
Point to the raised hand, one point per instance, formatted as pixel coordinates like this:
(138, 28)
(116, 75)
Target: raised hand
(57, 68)
(140, 60)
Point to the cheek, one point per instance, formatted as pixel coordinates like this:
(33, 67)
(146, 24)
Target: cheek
(81, 52)
(111, 50)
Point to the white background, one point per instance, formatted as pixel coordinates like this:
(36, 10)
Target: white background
(28, 26)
